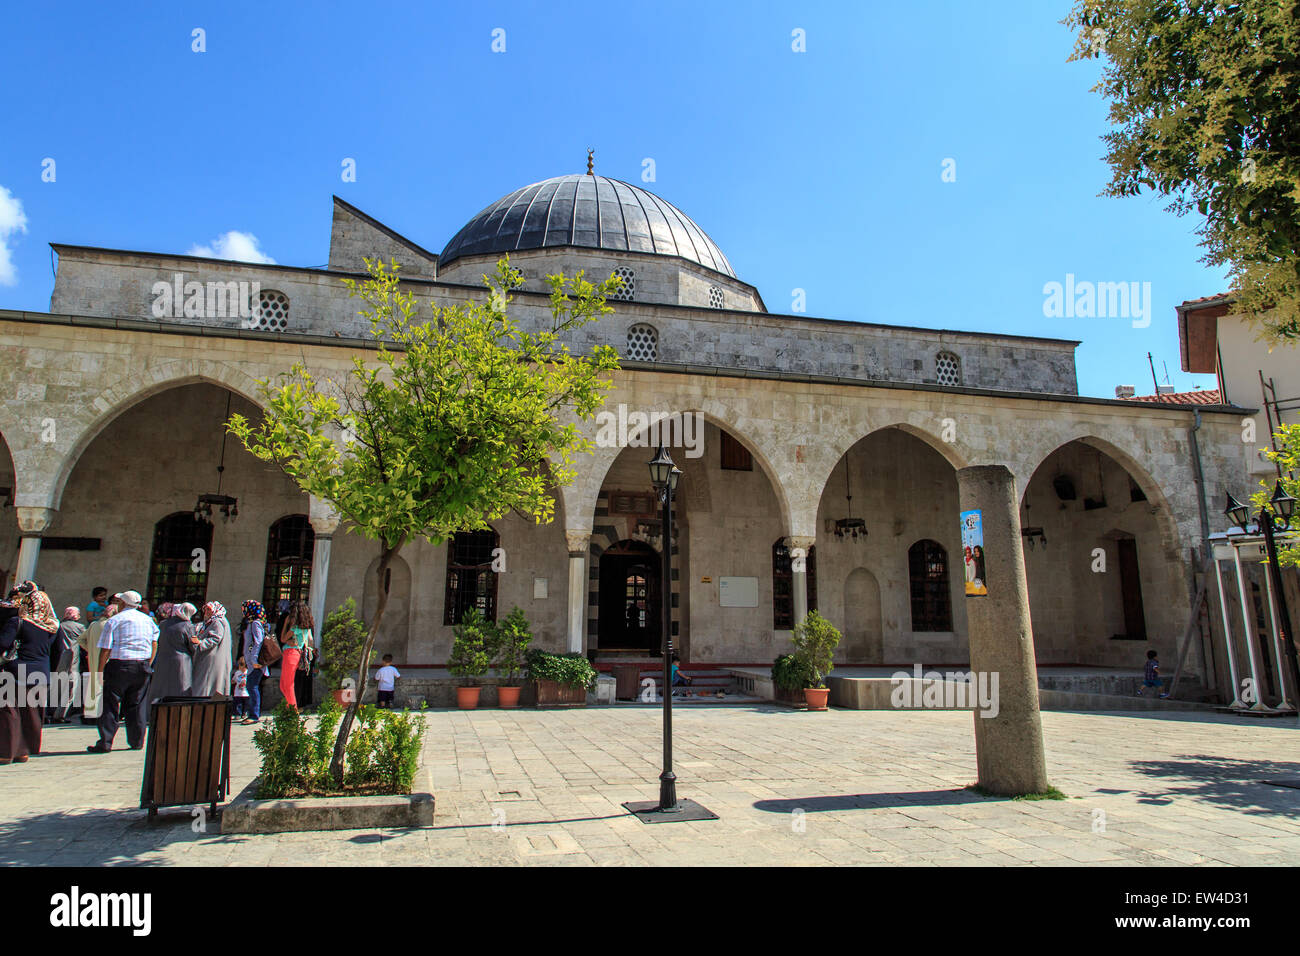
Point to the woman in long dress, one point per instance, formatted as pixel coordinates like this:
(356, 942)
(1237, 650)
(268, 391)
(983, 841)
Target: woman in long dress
(22, 711)
(213, 663)
(92, 700)
(173, 666)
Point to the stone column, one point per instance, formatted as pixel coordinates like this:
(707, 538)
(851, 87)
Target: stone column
(578, 542)
(32, 524)
(324, 523)
(1008, 747)
(799, 575)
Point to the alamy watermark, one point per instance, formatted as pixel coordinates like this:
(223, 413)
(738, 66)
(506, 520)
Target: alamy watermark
(636, 429)
(1098, 300)
(954, 690)
(193, 299)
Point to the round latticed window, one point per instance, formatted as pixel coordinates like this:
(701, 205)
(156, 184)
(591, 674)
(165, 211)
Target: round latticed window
(947, 369)
(628, 289)
(716, 299)
(642, 344)
(272, 311)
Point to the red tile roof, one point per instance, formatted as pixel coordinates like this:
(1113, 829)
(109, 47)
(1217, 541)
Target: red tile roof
(1204, 396)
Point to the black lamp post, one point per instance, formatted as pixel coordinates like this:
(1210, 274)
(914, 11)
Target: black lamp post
(1273, 520)
(665, 475)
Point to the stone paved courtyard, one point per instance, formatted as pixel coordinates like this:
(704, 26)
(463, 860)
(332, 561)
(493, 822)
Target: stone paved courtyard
(874, 787)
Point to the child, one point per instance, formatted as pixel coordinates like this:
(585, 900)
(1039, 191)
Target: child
(386, 677)
(240, 682)
(1151, 674)
(97, 606)
(679, 679)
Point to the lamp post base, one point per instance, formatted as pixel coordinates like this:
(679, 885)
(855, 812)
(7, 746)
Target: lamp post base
(686, 811)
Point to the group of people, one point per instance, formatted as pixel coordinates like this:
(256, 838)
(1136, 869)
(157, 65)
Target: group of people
(131, 657)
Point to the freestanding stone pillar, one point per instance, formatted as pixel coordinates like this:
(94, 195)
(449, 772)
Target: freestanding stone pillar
(32, 524)
(799, 574)
(324, 523)
(578, 542)
(1009, 747)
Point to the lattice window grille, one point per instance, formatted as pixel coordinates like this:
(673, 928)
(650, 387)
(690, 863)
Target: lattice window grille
(627, 290)
(272, 311)
(642, 344)
(947, 369)
(716, 298)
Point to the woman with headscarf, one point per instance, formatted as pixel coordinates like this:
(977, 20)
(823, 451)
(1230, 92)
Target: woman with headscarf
(213, 662)
(173, 666)
(93, 699)
(254, 635)
(66, 670)
(32, 629)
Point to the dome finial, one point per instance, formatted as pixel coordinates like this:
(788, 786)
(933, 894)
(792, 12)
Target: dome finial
(590, 154)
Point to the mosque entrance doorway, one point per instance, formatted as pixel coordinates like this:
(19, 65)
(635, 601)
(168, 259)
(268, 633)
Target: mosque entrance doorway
(630, 598)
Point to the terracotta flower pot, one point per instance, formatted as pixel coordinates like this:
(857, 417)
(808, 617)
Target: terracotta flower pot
(508, 696)
(816, 697)
(467, 697)
(341, 697)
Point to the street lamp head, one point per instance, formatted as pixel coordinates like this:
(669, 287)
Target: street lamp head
(661, 467)
(674, 477)
(1283, 504)
(1237, 513)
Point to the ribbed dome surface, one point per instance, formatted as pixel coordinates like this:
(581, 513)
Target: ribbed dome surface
(588, 211)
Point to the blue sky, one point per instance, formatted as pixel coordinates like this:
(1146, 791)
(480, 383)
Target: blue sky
(819, 170)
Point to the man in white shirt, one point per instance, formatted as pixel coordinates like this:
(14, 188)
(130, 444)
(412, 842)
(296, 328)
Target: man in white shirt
(127, 646)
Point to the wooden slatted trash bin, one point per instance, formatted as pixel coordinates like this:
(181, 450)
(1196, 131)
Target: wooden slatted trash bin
(187, 754)
(628, 678)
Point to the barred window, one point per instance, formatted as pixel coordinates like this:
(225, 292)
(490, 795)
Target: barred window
(927, 566)
(947, 369)
(716, 299)
(642, 343)
(289, 549)
(272, 313)
(173, 561)
(471, 582)
(783, 585)
(627, 291)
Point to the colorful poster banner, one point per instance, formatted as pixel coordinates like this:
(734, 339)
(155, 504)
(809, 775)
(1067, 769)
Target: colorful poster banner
(972, 548)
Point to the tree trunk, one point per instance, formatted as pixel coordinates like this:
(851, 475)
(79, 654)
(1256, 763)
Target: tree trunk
(386, 555)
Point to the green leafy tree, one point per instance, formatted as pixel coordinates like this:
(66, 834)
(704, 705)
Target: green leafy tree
(509, 645)
(454, 422)
(1288, 456)
(815, 640)
(1203, 99)
(470, 649)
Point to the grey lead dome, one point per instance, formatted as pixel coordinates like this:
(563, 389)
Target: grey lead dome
(592, 212)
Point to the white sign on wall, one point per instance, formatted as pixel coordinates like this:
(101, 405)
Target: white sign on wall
(738, 592)
(541, 589)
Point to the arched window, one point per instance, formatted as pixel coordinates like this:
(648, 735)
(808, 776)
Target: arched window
(642, 343)
(288, 562)
(783, 585)
(947, 369)
(179, 562)
(272, 313)
(927, 567)
(471, 582)
(627, 291)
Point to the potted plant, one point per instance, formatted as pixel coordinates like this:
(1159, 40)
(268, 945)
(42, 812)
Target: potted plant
(342, 638)
(815, 640)
(789, 677)
(510, 642)
(562, 679)
(469, 656)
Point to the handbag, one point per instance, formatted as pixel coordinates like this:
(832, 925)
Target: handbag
(269, 652)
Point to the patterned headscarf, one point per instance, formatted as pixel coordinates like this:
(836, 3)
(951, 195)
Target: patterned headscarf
(254, 611)
(166, 610)
(72, 614)
(36, 607)
(213, 609)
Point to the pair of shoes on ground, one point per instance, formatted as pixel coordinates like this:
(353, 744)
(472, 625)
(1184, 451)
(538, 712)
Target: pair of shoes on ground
(250, 720)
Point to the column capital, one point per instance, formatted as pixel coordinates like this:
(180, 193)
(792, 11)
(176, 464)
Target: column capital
(578, 540)
(800, 541)
(33, 522)
(324, 519)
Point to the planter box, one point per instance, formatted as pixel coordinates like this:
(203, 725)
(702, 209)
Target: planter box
(554, 694)
(245, 814)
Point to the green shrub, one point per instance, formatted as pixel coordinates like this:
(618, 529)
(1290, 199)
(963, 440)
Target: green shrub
(573, 670)
(342, 638)
(789, 673)
(383, 752)
(509, 646)
(815, 640)
(469, 651)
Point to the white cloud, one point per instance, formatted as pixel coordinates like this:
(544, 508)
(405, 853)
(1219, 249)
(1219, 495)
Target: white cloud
(12, 220)
(239, 246)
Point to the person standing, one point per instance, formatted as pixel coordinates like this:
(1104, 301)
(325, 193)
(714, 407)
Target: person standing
(127, 647)
(296, 648)
(173, 671)
(33, 629)
(93, 698)
(67, 671)
(97, 606)
(254, 634)
(212, 654)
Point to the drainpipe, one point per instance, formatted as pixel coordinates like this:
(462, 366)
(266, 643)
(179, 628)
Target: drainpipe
(1207, 552)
